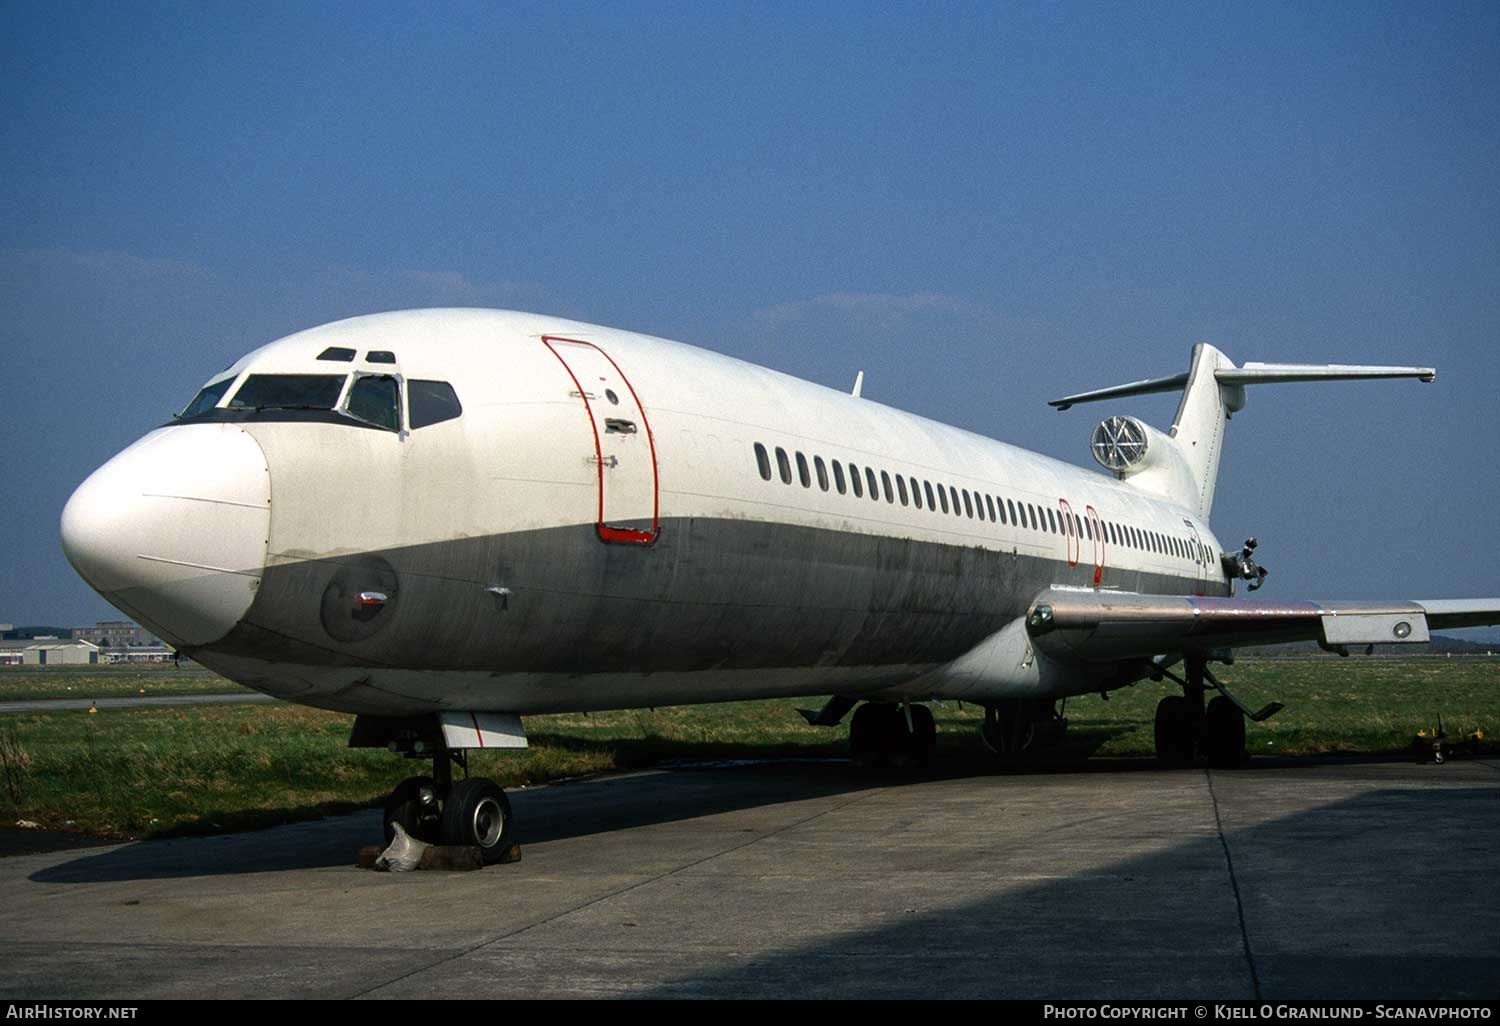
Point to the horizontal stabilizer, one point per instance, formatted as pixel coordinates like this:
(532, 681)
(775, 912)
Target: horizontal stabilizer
(1275, 373)
(1146, 387)
(1251, 374)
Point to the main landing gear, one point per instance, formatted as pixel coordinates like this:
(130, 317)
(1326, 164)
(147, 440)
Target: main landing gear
(472, 812)
(1018, 725)
(888, 734)
(1186, 727)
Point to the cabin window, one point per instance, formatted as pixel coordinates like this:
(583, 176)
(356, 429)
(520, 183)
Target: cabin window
(380, 356)
(432, 402)
(968, 506)
(337, 354)
(859, 492)
(942, 494)
(822, 472)
(916, 493)
(931, 502)
(874, 486)
(989, 504)
(288, 392)
(375, 399)
(901, 488)
(953, 494)
(1037, 524)
(838, 476)
(208, 398)
(802, 474)
(784, 465)
(885, 479)
(763, 461)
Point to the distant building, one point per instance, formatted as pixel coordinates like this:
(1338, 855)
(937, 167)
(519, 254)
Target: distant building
(139, 654)
(114, 634)
(6, 628)
(60, 653)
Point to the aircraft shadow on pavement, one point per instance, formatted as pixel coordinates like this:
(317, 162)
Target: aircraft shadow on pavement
(705, 781)
(1385, 895)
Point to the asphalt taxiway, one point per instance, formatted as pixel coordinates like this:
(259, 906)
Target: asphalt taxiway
(1355, 879)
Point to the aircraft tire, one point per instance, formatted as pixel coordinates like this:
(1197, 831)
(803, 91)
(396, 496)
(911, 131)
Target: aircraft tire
(1174, 731)
(477, 814)
(405, 806)
(878, 736)
(865, 735)
(1224, 734)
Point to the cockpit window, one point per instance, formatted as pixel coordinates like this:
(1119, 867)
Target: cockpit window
(376, 399)
(209, 397)
(432, 402)
(288, 392)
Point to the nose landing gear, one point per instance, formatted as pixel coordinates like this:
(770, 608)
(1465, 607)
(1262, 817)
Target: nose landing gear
(472, 812)
(469, 813)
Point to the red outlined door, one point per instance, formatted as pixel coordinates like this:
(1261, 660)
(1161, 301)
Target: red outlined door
(1070, 531)
(624, 451)
(1097, 526)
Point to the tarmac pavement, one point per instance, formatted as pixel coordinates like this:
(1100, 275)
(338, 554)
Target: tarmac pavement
(1294, 879)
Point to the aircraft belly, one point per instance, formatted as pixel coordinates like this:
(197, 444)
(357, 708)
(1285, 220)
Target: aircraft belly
(715, 609)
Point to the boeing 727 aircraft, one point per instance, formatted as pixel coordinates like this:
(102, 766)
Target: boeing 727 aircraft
(445, 520)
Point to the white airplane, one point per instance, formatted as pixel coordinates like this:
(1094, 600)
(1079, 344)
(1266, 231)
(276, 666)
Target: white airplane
(444, 520)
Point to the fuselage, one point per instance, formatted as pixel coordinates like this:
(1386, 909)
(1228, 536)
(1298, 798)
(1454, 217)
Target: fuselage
(513, 512)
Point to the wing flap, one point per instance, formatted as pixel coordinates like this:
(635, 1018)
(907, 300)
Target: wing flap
(1105, 626)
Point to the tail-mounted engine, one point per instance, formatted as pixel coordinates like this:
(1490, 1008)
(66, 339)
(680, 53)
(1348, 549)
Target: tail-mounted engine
(1242, 565)
(1119, 444)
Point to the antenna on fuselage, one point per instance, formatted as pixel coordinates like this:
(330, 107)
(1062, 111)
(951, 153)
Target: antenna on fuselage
(859, 384)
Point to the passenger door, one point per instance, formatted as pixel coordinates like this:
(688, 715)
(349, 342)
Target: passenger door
(624, 451)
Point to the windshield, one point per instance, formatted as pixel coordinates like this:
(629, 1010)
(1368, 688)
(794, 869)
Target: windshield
(208, 398)
(288, 392)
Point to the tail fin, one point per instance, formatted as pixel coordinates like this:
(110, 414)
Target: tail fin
(1213, 388)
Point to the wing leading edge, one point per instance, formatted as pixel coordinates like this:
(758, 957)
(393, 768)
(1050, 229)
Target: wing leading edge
(1099, 626)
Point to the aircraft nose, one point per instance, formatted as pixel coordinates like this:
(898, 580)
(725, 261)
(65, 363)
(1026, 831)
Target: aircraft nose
(173, 530)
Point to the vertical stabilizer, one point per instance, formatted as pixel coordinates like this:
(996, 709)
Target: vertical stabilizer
(1198, 427)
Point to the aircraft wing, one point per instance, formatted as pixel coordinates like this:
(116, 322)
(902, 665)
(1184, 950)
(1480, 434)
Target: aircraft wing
(1106, 626)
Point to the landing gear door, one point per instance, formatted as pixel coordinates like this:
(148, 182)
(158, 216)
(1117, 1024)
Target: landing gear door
(623, 453)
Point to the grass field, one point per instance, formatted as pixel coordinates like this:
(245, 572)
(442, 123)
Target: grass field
(200, 769)
(25, 682)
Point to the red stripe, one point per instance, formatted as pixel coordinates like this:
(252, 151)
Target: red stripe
(478, 733)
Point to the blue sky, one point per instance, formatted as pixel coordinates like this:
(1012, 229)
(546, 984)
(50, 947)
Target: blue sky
(982, 206)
